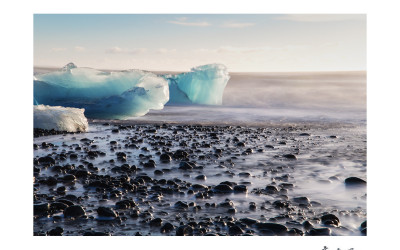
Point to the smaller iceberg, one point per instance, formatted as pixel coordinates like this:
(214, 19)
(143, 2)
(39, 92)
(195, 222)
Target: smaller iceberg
(60, 118)
(202, 85)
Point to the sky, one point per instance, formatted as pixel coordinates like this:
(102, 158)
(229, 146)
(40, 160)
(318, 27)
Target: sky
(178, 42)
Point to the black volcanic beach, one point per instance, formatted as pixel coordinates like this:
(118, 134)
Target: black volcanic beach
(201, 180)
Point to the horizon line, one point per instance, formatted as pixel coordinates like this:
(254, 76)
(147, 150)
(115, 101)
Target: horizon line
(182, 71)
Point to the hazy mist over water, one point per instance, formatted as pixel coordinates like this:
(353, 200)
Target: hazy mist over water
(293, 96)
(319, 90)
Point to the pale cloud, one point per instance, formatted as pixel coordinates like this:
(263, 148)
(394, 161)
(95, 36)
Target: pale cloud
(80, 48)
(165, 51)
(322, 17)
(58, 49)
(184, 22)
(237, 25)
(234, 50)
(230, 49)
(118, 50)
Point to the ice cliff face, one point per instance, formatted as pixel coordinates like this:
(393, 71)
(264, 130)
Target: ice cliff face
(202, 85)
(124, 94)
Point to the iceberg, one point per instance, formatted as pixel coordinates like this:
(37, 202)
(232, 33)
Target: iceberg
(130, 93)
(108, 95)
(60, 118)
(202, 85)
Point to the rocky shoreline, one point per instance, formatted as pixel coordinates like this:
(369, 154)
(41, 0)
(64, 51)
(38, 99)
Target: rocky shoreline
(170, 179)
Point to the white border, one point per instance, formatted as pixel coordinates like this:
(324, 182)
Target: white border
(16, 104)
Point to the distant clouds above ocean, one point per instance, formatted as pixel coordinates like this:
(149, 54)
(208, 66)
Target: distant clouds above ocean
(257, 43)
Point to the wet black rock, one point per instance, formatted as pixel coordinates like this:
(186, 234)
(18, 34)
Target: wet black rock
(231, 210)
(180, 154)
(149, 164)
(330, 219)
(93, 233)
(364, 224)
(47, 160)
(165, 158)
(290, 156)
(307, 225)
(302, 200)
(61, 190)
(69, 178)
(56, 206)
(74, 211)
(181, 205)
(51, 181)
(244, 174)
(167, 227)
(186, 165)
(320, 232)
(280, 204)
(199, 187)
(155, 222)
(278, 229)
(125, 204)
(41, 209)
(223, 188)
(305, 134)
(271, 189)
(295, 232)
(363, 228)
(240, 189)
(106, 212)
(249, 221)
(201, 177)
(184, 231)
(82, 173)
(158, 172)
(235, 230)
(354, 181)
(58, 231)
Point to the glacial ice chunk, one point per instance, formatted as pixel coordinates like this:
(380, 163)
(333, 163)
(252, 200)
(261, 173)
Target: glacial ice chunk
(60, 118)
(108, 95)
(202, 85)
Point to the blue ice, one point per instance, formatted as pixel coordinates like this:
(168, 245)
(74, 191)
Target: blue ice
(108, 95)
(202, 85)
(124, 94)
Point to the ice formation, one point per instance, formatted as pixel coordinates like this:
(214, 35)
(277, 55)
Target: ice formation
(111, 95)
(202, 85)
(60, 118)
(124, 94)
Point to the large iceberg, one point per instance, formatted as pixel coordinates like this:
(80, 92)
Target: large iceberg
(202, 85)
(111, 95)
(59, 118)
(124, 94)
